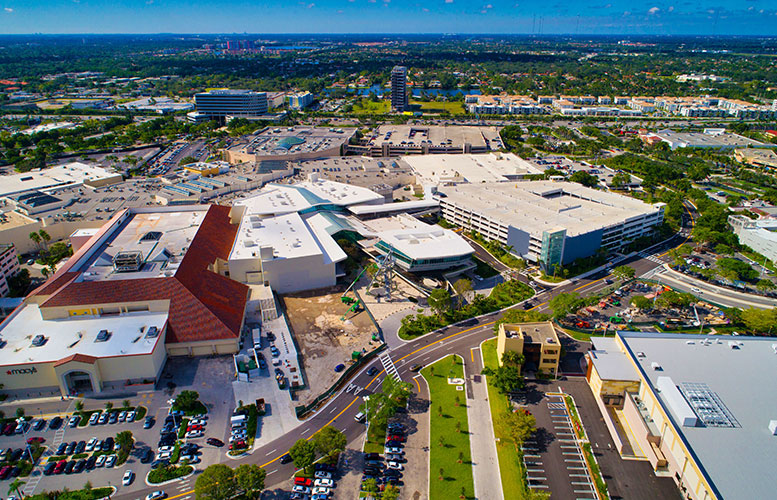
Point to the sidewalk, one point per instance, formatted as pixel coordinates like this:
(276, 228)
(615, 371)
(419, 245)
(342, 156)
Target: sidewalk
(485, 464)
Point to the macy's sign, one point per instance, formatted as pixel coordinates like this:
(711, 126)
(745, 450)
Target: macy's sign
(22, 371)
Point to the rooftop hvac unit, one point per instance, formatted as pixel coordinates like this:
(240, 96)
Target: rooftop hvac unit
(153, 332)
(103, 336)
(657, 367)
(38, 341)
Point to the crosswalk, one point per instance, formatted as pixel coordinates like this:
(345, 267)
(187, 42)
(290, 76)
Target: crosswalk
(59, 436)
(388, 365)
(651, 257)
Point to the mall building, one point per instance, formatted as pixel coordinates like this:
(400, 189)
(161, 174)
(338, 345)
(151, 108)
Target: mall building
(149, 284)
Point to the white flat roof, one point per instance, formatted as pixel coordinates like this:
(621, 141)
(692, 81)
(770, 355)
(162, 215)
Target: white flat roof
(740, 371)
(276, 199)
(417, 239)
(76, 335)
(489, 167)
(287, 234)
(64, 175)
(537, 206)
(392, 207)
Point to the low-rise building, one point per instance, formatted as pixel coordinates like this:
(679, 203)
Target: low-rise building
(394, 140)
(289, 143)
(230, 102)
(759, 234)
(710, 138)
(538, 343)
(692, 406)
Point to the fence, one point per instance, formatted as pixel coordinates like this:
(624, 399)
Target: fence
(302, 411)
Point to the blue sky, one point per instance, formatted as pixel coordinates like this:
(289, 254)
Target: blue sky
(720, 17)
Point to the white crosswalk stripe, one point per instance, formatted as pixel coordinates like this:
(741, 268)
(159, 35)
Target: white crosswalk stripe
(388, 365)
(651, 257)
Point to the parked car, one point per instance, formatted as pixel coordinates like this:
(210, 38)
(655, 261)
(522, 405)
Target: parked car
(394, 465)
(39, 424)
(323, 475)
(131, 416)
(146, 456)
(60, 467)
(320, 491)
(70, 466)
(122, 416)
(394, 450)
(94, 418)
(215, 442)
(101, 460)
(148, 422)
(303, 481)
(80, 466)
(103, 419)
(55, 422)
(326, 483)
(80, 447)
(90, 462)
(113, 418)
(49, 468)
(159, 463)
(91, 444)
(74, 420)
(111, 460)
(71, 448)
(35, 439)
(340, 367)
(298, 488)
(61, 449)
(193, 434)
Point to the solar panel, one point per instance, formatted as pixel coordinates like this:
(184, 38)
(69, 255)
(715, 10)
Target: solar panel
(707, 405)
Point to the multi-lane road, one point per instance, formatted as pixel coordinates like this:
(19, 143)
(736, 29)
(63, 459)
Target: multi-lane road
(459, 339)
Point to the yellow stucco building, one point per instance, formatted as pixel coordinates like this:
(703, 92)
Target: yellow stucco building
(537, 342)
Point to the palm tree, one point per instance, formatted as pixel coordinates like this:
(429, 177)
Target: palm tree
(35, 237)
(16, 487)
(45, 237)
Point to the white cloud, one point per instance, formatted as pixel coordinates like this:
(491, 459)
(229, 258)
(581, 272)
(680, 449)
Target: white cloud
(489, 6)
(8, 9)
(448, 1)
(671, 8)
(653, 10)
(425, 9)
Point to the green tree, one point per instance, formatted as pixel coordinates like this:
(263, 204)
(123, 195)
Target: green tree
(329, 440)
(765, 284)
(303, 453)
(518, 425)
(463, 287)
(217, 482)
(125, 404)
(563, 304)
(124, 440)
(390, 493)
(620, 179)
(512, 358)
(187, 401)
(506, 378)
(623, 273)
(641, 302)
(759, 320)
(584, 178)
(16, 487)
(45, 237)
(370, 487)
(186, 160)
(109, 406)
(19, 412)
(79, 405)
(440, 301)
(35, 237)
(250, 478)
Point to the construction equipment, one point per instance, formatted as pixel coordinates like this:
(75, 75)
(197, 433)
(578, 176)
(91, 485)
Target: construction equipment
(344, 297)
(355, 305)
(385, 269)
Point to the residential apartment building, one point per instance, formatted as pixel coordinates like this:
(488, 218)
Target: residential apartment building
(399, 95)
(301, 100)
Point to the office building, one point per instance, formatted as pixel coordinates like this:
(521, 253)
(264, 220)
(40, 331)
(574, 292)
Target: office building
(230, 103)
(759, 234)
(551, 223)
(710, 138)
(697, 408)
(399, 95)
(538, 343)
(394, 140)
(9, 266)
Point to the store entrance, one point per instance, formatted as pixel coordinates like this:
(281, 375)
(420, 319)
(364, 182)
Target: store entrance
(78, 382)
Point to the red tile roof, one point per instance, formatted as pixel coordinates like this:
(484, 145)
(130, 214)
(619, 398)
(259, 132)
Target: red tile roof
(203, 305)
(81, 358)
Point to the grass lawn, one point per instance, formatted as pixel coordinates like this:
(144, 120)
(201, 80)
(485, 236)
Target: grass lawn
(452, 107)
(442, 394)
(372, 108)
(376, 439)
(510, 460)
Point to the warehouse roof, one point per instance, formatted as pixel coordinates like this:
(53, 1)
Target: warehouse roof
(72, 174)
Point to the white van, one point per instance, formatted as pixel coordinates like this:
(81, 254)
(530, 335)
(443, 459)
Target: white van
(360, 417)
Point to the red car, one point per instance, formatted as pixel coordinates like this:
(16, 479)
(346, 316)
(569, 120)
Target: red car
(60, 467)
(5, 471)
(396, 437)
(237, 445)
(303, 481)
(35, 439)
(194, 428)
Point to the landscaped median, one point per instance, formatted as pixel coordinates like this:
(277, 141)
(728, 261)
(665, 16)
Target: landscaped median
(509, 454)
(450, 463)
(593, 466)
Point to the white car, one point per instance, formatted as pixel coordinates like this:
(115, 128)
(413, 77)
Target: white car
(91, 444)
(298, 488)
(100, 460)
(165, 455)
(156, 495)
(193, 434)
(200, 417)
(128, 477)
(131, 416)
(326, 483)
(111, 460)
(323, 475)
(198, 421)
(122, 416)
(320, 491)
(396, 451)
(163, 449)
(192, 459)
(394, 465)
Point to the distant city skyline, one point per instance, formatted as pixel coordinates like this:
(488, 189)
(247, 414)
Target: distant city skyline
(659, 17)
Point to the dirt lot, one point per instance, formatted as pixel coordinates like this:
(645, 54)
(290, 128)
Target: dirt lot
(323, 339)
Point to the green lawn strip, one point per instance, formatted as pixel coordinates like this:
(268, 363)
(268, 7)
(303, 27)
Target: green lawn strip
(84, 494)
(510, 458)
(593, 466)
(163, 474)
(376, 439)
(442, 394)
(452, 107)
